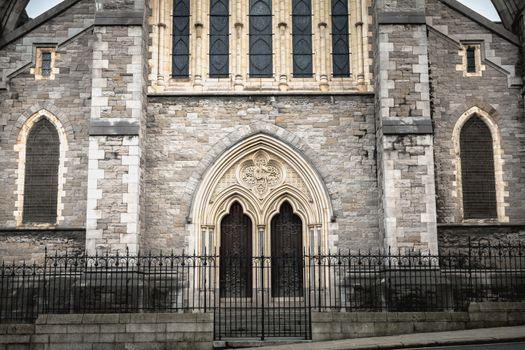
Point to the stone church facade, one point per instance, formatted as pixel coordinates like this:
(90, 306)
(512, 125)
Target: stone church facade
(132, 125)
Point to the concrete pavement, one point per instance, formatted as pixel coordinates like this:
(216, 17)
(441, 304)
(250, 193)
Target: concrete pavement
(473, 336)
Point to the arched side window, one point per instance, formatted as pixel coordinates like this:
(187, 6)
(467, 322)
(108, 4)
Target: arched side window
(302, 38)
(180, 59)
(340, 39)
(477, 170)
(41, 173)
(219, 38)
(260, 45)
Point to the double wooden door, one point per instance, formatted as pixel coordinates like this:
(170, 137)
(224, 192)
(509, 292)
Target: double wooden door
(237, 260)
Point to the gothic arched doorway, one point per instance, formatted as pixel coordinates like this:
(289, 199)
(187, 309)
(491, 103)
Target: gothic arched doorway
(236, 254)
(286, 244)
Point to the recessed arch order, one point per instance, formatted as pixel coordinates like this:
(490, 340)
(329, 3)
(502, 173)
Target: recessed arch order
(260, 173)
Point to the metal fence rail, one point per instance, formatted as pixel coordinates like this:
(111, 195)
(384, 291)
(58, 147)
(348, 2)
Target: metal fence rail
(263, 296)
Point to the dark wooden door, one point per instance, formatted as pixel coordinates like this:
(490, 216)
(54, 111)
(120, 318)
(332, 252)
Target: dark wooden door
(236, 254)
(287, 263)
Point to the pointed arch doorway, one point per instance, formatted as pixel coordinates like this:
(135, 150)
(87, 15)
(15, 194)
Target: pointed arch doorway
(236, 254)
(260, 206)
(287, 254)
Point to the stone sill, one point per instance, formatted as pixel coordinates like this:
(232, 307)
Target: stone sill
(256, 93)
(39, 228)
(488, 224)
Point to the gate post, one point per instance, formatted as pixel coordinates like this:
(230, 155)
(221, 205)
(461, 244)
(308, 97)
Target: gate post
(262, 294)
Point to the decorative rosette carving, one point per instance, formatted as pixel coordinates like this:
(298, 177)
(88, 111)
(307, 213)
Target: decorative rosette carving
(261, 173)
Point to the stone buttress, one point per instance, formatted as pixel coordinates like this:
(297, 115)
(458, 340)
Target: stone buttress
(404, 127)
(117, 115)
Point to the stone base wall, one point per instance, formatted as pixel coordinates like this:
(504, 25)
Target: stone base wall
(457, 236)
(29, 245)
(195, 331)
(111, 331)
(347, 325)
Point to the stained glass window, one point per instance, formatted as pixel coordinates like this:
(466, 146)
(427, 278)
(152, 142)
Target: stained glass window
(302, 38)
(477, 170)
(340, 39)
(219, 38)
(471, 59)
(41, 174)
(181, 38)
(261, 38)
(46, 64)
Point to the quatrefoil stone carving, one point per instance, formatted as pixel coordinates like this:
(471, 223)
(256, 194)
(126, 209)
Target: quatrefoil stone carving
(261, 173)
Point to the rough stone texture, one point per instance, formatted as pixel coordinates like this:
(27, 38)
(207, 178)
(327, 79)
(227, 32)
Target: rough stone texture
(453, 237)
(117, 72)
(119, 4)
(409, 180)
(137, 189)
(405, 162)
(30, 245)
(111, 171)
(118, 93)
(348, 325)
(67, 97)
(400, 5)
(336, 134)
(112, 332)
(453, 94)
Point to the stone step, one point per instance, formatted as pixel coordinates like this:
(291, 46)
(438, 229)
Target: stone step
(235, 343)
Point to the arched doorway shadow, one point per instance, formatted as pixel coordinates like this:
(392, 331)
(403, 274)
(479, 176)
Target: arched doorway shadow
(287, 255)
(236, 254)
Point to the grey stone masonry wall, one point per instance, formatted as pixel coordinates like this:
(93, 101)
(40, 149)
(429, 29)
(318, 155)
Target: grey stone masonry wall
(458, 237)
(66, 97)
(29, 245)
(185, 135)
(111, 332)
(404, 131)
(491, 92)
(348, 325)
(117, 114)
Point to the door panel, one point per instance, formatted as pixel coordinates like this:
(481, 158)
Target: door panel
(236, 254)
(287, 267)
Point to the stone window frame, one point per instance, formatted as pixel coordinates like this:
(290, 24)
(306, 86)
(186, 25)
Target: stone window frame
(479, 57)
(457, 191)
(20, 147)
(239, 79)
(37, 70)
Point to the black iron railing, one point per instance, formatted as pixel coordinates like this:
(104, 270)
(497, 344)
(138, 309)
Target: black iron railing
(263, 296)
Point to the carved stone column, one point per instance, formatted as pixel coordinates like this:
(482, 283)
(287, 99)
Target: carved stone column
(359, 25)
(323, 23)
(283, 76)
(261, 246)
(197, 83)
(199, 27)
(238, 80)
(161, 42)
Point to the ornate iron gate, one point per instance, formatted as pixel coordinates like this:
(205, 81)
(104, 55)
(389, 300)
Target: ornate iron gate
(265, 314)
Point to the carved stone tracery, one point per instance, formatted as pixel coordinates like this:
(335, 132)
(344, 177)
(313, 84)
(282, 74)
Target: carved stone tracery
(260, 173)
